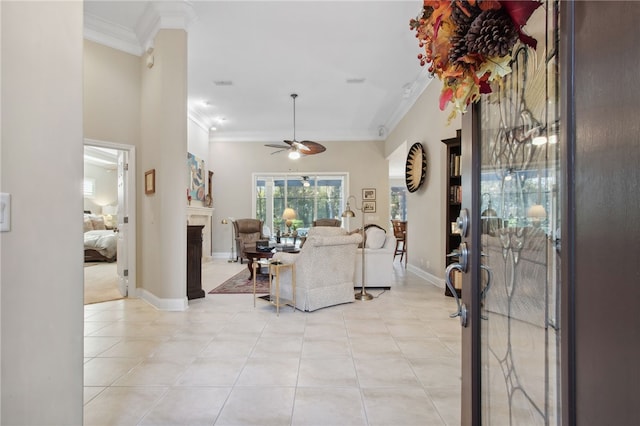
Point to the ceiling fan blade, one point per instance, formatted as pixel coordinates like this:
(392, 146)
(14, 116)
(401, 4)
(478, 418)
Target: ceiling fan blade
(290, 143)
(273, 145)
(312, 147)
(300, 147)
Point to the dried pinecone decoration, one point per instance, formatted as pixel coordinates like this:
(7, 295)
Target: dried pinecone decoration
(462, 15)
(491, 34)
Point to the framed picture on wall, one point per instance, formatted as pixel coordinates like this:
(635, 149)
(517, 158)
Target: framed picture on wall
(195, 169)
(150, 181)
(368, 194)
(369, 206)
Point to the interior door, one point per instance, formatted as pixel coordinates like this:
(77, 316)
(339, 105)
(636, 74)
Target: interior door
(510, 249)
(123, 224)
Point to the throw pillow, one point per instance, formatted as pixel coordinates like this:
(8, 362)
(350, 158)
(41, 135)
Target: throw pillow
(97, 222)
(376, 237)
(88, 225)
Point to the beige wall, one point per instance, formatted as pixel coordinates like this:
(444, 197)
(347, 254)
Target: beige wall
(234, 163)
(41, 277)
(111, 99)
(425, 123)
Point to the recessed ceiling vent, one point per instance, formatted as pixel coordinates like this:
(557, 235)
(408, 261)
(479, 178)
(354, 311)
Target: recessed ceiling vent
(356, 80)
(223, 83)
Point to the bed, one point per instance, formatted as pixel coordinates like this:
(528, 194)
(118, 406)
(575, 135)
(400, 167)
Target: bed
(100, 243)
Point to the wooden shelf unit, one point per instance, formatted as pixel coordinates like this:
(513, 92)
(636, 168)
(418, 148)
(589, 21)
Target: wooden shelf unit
(453, 190)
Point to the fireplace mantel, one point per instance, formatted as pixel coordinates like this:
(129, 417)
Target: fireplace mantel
(197, 215)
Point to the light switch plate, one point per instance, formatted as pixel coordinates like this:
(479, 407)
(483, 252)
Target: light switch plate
(5, 212)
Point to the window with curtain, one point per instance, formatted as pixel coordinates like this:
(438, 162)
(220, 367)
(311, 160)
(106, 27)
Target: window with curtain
(316, 196)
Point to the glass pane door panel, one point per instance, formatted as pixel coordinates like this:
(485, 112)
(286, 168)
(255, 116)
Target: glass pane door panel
(520, 224)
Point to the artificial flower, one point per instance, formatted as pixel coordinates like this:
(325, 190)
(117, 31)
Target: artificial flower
(468, 44)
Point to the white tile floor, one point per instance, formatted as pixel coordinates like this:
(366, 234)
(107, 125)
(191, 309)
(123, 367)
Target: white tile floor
(394, 360)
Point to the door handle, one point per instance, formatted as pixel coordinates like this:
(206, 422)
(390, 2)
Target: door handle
(484, 291)
(462, 308)
(462, 222)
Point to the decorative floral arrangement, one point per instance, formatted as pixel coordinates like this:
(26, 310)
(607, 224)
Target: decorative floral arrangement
(468, 43)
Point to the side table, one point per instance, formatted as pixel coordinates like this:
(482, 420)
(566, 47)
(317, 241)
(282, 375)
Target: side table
(274, 274)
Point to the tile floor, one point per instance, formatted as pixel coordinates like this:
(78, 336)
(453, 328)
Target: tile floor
(394, 360)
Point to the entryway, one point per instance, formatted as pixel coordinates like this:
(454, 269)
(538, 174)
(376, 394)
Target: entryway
(109, 197)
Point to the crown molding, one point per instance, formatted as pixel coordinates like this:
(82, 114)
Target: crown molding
(411, 94)
(174, 15)
(198, 120)
(157, 16)
(112, 35)
(276, 137)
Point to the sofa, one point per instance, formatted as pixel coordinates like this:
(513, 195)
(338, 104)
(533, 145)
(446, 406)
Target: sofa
(324, 269)
(379, 250)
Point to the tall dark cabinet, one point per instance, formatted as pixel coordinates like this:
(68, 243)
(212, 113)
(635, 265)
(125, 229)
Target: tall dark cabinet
(194, 262)
(454, 199)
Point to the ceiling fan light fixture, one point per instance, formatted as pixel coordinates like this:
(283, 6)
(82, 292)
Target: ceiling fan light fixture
(294, 155)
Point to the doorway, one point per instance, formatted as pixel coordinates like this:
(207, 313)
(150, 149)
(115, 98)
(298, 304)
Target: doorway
(109, 221)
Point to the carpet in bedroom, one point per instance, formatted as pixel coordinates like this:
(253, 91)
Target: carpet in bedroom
(240, 283)
(100, 282)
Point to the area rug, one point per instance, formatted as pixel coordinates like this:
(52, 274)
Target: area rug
(240, 283)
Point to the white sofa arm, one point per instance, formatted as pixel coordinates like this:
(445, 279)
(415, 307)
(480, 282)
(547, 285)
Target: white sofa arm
(378, 265)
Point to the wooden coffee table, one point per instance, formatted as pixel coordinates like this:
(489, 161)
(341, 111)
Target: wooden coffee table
(255, 255)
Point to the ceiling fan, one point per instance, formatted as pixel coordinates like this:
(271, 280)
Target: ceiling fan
(295, 148)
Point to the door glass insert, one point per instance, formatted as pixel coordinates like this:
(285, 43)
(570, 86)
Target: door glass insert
(520, 241)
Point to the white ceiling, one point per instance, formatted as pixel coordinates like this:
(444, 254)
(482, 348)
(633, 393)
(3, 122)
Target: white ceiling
(269, 49)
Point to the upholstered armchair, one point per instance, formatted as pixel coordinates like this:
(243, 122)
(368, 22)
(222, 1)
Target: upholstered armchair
(248, 231)
(327, 222)
(324, 269)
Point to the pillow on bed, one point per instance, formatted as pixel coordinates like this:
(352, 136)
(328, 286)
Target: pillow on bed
(97, 222)
(88, 225)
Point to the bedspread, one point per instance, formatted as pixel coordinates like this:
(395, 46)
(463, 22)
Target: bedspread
(104, 242)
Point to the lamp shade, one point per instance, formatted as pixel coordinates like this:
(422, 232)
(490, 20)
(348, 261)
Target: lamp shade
(289, 214)
(348, 212)
(536, 211)
(109, 210)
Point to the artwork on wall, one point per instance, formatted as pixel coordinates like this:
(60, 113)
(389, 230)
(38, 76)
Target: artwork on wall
(150, 182)
(369, 206)
(208, 200)
(369, 194)
(195, 168)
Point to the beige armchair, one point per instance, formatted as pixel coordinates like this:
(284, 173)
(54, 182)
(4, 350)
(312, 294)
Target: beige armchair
(248, 231)
(327, 222)
(324, 269)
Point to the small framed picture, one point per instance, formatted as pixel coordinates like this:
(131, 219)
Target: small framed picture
(150, 181)
(369, 206)
(368, 194)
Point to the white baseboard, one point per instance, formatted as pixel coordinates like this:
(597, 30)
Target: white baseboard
(180, 304)
(222, 255)
(436, 281)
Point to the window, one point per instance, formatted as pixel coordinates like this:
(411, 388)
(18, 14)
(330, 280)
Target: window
(398, 207)
(312, 197)
(89, 187)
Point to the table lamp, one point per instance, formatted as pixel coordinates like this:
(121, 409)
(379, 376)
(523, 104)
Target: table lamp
(288, 215)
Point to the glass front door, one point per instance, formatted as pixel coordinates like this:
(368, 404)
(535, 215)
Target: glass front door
(515, 206)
